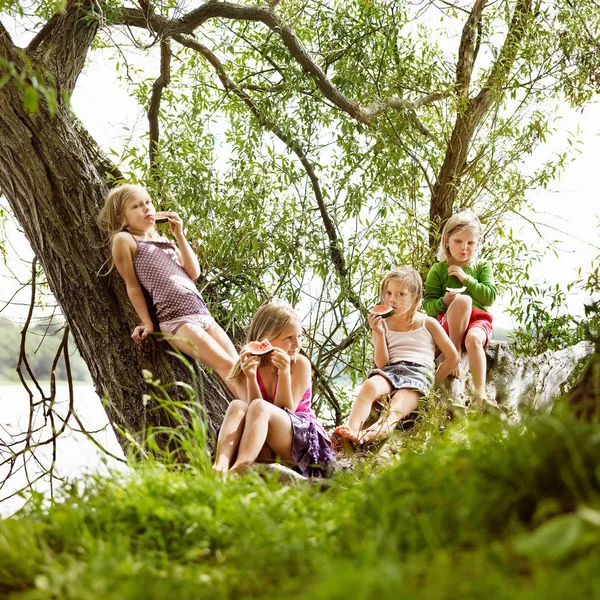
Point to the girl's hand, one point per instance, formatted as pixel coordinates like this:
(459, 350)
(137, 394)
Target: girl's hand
(376, 323)
(456, 271)
(280, 360)
(249, 363)
(141, 332)
(175, 222)
(449, 297)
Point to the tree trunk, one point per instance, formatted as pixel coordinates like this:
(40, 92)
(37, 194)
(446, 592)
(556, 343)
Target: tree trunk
(472, 110)
(54, 178)
(521, 385)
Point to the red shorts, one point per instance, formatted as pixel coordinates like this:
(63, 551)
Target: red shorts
(479, 318)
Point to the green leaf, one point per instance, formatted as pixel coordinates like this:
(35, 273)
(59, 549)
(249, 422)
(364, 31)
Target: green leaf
(554, 539)
(31, 100)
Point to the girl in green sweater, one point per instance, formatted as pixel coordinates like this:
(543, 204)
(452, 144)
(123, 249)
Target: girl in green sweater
(459, 291)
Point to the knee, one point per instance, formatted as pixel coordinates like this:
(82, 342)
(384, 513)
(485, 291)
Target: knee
(236, 407)
(367, 388)
(460, 303)
(257, 407)
(473, 341)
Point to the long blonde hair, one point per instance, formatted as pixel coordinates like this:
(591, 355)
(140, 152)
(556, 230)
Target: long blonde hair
(110, 218)
(267, 323)
(410, 278)
(462, 221)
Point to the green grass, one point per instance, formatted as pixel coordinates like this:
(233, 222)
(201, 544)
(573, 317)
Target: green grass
(482, 510)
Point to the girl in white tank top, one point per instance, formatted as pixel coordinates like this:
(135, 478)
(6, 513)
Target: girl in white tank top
(404, 345)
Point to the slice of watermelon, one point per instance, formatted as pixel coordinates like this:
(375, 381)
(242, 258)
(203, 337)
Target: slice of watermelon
(457, 290)
(259, 348)
(381, 310)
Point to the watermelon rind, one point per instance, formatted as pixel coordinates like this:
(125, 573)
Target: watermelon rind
(457, 290)
(381, 310)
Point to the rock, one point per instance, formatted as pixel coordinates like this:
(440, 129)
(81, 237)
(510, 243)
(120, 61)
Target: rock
(284, 474)
(520, 384)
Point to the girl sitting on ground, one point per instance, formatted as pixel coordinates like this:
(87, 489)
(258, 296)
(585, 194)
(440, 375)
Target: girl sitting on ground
(272, 418)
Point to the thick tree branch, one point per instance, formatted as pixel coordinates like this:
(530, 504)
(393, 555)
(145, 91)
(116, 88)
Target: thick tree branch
(335, 249)
(265, 14)
(63, 43)
(501, 69)
(160, 84)
(448, 182)
(467, 49)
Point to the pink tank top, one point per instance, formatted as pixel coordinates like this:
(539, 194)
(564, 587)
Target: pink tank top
(158, 270)
(304, 406)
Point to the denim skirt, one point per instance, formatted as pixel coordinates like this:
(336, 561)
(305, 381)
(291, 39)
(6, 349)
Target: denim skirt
(406, 375)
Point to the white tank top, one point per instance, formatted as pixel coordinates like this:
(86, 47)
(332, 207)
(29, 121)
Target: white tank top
(414, 346)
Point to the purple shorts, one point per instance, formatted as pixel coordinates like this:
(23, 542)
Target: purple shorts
(311, 450)
(171, 327)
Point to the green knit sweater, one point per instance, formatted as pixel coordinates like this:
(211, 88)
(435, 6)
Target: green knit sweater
(479, 283)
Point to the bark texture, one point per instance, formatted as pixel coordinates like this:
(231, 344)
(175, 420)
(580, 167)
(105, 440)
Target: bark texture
(521, 384)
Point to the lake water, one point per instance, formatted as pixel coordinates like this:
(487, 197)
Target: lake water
(76, 454)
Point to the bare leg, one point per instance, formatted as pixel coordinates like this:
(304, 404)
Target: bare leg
(474, 343)
(219, 335)
(265, 424)
(194, 341)
(230, 435)
(372, 389)
(403, 402)
(458, 316)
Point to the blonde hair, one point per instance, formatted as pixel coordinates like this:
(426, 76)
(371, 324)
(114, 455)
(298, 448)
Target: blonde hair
(462, 221)
(410, 278)
(268, 322)
(109, 218)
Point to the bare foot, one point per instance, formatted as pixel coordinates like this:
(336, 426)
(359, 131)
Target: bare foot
(484, 404)
(240, 468)
(345, 432)
(220, 469)
(490, 405)
(375, 433)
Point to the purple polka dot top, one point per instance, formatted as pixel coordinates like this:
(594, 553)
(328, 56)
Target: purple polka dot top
(158, 270)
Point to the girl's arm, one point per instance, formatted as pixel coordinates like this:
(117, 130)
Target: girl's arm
(293, 379)
(481, 286)
(447, 348)
(435, 291)
(247, 388)
(381, 355)
(122, 249)
(187, 258)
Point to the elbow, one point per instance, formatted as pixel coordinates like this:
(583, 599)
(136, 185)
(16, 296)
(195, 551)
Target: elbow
(194, 273)
(134, 290)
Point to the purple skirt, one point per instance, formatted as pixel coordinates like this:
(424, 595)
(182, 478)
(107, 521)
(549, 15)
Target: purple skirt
(311, 450)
